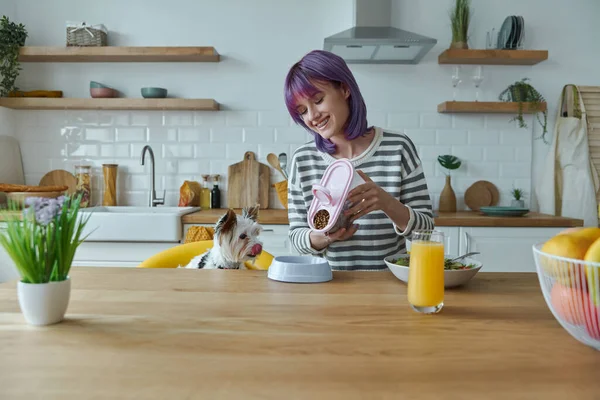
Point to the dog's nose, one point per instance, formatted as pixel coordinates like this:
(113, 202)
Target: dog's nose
(256, 249)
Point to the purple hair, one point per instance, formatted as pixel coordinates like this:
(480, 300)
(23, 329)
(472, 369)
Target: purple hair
(323, 66)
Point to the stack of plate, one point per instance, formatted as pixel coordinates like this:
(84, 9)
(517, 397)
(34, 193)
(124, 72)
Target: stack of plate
(510, 35)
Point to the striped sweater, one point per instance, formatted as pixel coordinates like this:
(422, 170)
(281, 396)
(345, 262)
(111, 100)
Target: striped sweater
(391, 161)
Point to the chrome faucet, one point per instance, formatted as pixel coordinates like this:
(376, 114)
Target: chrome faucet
(153, 200)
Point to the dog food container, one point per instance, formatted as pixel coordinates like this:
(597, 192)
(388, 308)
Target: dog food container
(330, 197)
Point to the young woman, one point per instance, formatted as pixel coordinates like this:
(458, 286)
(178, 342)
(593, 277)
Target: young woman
(321, 95)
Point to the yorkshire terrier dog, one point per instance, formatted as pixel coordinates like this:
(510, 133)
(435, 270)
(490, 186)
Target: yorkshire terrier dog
(235, 242)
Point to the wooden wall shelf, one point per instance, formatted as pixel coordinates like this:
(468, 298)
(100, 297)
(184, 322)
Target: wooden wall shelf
(492, 57)
(38, 103)
(487, 107)
(118, 54)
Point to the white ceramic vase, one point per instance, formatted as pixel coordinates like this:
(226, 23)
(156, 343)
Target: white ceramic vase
(517, 203)
(44, 303)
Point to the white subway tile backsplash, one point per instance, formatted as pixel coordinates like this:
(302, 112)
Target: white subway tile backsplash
(236, 151)
(519, 138)
(189, 144)
(178, 118)
(195, 135)
(114, 118)
(137, 134)
(194, 167)
(178, 150)
(226, 135)
(273, 118)
(401, 121)
(259, 135)
(421, 136)
(377, 118)
(100, 134)
(428, 153)
(499, 153)
(294, 135)
(485, 170)
(515, 170)
(211, 150)
(523, 154)
(436, 121)
(161, 134)
(468, 153)
(115, 150)
(241, 118)
(483, 137)
(500, 121)
(209, 119)
(451, 137)
(468, 121)
(146, 118)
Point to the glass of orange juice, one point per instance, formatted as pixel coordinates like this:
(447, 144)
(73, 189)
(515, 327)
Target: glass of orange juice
(426, 271)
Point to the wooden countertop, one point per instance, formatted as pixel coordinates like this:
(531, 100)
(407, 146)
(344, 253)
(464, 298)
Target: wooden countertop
(164, 333)
(460, 218)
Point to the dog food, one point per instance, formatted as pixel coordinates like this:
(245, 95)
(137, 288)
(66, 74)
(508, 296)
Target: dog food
(321, 219)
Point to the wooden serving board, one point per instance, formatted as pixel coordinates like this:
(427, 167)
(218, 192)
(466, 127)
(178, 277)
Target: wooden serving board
(248, 183)
(60, 177)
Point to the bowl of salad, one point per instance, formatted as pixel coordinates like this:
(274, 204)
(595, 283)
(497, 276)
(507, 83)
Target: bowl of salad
(456, 273)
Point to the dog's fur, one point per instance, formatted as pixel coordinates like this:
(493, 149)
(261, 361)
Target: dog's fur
(235, 242)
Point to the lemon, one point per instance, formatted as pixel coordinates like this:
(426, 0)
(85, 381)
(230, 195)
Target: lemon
(593, 272)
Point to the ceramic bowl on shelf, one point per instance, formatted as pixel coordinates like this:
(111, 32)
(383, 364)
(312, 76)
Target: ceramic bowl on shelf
(94, 84)
(103, 92)
(154, 93)
(452, 278)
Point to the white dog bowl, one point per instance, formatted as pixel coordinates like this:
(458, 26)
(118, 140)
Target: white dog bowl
(300, 269)
(452, 278)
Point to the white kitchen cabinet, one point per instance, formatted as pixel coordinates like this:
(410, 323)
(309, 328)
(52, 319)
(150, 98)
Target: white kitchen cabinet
(117, 254)
(504, 249)
(274, 237)
(8, 271)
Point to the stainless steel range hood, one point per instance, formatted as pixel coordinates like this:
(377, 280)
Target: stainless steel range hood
(373, 40)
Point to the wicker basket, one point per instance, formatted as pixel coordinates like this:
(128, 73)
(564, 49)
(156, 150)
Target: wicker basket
(84, 35)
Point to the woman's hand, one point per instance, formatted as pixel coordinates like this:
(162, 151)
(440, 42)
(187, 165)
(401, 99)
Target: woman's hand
(367, 198)
(321, 240)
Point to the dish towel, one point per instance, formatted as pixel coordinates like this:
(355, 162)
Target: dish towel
(569, 181)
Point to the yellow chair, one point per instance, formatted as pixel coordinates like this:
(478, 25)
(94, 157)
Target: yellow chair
(183, 253)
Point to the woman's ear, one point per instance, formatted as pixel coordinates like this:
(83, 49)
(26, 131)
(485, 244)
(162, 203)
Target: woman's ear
(345, 91)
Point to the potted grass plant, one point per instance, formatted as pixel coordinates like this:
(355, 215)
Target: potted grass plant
(460, 17)
(517, 200)
(447, 197)
(42, 241)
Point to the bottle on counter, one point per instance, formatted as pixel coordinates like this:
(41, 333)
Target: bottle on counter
(83, 173)
(110, 184)
(215, 194)
(205, 202)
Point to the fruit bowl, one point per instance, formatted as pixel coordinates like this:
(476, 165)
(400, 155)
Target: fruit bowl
(571, 289)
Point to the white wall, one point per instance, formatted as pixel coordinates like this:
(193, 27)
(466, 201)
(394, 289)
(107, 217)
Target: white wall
(259, 40)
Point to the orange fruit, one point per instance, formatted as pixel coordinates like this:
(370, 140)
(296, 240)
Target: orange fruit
(591, 233)
(569, 246)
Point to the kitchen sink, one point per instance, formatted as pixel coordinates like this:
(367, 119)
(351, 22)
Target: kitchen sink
(135, 224)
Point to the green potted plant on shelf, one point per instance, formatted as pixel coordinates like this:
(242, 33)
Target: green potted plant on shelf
(460, 17)
(12, 38)
(517, 198)
(522, 92)
(447, 197)
(42, 241)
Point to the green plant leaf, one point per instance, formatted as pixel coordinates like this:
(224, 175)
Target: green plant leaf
(449, 162)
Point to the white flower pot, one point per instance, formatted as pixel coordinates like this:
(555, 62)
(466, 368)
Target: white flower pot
(44, 303)
(517, 203)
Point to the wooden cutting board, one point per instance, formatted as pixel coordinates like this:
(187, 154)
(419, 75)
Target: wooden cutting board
(60, 177)
(248, 183)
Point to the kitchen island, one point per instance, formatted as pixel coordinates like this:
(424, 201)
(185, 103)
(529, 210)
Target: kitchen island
(162, 333)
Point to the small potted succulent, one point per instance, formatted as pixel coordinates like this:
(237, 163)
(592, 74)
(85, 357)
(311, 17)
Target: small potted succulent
(42, 241)
(447, 197)
(517, 198)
